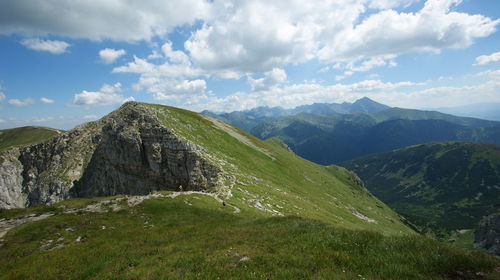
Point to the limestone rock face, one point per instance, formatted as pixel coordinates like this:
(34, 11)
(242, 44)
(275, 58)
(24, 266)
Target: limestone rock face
(11, 195)
(487, 235)
(127, 152)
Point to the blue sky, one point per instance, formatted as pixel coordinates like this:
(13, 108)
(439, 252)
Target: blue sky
(67, 62)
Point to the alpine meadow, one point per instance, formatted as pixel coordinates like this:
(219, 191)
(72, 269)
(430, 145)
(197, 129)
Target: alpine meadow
(224, 139)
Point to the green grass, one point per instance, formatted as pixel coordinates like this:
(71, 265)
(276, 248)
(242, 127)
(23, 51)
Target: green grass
(266, 171)
(463, 239)
(169, 239)
(298, 220)
(24, 136)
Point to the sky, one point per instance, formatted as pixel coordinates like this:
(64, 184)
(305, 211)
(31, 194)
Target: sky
(63, 62)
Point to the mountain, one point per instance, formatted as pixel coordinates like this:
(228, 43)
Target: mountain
(336, 138)
(191, 197)
(412, 114)
(143, 148)
(450, 185)
(25, 136)
(247, 120)
(489, 111)
(326, 137)
(366, 105)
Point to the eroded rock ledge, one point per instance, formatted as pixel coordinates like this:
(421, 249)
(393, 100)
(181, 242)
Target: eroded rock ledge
(127, 152)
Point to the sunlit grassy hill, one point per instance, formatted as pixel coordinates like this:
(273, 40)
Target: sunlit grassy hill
(27, 135)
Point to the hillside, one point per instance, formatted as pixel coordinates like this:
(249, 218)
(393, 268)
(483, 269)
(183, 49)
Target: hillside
(450, 185)
(27, 135)
(143, 148)
(247, 209)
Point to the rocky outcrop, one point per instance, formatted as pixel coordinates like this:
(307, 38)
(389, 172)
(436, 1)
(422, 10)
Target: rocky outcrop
(487, 235)
(129, 151)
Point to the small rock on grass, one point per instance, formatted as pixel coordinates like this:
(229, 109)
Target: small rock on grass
(244, 259)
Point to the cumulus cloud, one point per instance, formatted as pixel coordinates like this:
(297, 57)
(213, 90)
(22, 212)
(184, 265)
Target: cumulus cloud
(107, 95)
(390, 32)
(171, 89)
(487, 59)
(21, 102)
(119, 20)
(52, 46)
(388, 4)
(109, 56)
(46, 100)
(90, 117)
(271, 79)
(256, 36)
(173, 78)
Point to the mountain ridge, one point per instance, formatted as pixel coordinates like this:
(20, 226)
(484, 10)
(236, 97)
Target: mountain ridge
(336, 137)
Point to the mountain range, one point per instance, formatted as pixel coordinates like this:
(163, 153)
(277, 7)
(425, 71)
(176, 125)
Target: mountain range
(332, 136)
(488, 111)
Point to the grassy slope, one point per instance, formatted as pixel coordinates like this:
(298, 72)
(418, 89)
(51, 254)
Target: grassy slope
(448, 185)
(194, 236)
(24, 136)
(169, 239)
(288, 183)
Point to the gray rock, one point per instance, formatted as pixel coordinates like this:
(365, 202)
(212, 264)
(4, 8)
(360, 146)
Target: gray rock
(130, 151)
(487, 235)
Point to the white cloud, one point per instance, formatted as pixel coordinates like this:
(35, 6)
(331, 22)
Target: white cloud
(173, 78)
(388, 4)
(52, 46)
(46, 100)
(300, 94)
(107, 95)
(389, 32)
(21, 102)
(493, 74)
(90, 117)
(119, 20)
(344, 75)
(42, 120)
(271, 79)
(171, 89)
(109, 56)
(487, 59)
(256, 36)
(2, 121)
(402, 94)
(2, 96)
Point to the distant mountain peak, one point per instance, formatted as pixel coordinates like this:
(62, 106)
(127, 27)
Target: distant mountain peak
(367, 105)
